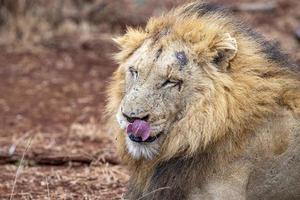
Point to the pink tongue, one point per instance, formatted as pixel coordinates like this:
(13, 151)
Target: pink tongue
(139, 128)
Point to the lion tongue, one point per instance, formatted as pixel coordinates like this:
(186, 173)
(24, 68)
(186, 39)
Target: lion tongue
(139, 128)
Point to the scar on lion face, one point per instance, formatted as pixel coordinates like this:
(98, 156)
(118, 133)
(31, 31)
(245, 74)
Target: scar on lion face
(158, 53)
(181, 58)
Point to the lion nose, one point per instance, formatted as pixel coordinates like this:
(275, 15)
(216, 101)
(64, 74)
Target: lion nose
(132, 117)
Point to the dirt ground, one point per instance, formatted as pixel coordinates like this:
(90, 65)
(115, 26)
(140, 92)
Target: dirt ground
(52, 141)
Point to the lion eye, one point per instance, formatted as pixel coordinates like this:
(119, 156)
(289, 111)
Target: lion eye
(172, 83)
(133, 72)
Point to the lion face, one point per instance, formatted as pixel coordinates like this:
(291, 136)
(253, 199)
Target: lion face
(160, 81)
(164, 91)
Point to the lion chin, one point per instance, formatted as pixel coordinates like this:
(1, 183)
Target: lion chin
(138, 151)
(204, 108)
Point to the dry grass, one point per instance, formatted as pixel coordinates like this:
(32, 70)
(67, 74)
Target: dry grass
(24, 20)
(29, 22)
(32, 22)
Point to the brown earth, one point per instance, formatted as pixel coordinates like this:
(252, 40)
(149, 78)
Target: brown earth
(51, 108)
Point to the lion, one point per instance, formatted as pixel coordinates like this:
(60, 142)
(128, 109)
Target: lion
(198, 102)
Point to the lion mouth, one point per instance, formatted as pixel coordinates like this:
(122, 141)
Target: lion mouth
(139, 139)
(139, 131)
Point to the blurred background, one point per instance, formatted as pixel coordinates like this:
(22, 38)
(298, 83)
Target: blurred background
(55, 61)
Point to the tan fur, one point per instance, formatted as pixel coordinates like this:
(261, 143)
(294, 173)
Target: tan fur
(233, 113)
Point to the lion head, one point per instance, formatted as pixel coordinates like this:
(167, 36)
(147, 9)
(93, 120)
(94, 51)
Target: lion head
(188, 80)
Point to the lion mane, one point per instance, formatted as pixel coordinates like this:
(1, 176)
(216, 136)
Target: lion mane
(258, 83)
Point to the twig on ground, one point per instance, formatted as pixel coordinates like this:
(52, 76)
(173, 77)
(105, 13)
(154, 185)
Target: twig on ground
(41, 158)
(19, 168)
(48, 191)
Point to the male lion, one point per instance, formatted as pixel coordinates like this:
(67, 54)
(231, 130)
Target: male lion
(205, 102)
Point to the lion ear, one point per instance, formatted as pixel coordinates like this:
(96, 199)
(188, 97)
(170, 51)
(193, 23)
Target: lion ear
(226, 49)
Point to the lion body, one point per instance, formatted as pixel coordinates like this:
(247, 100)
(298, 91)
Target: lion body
(237, 117)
